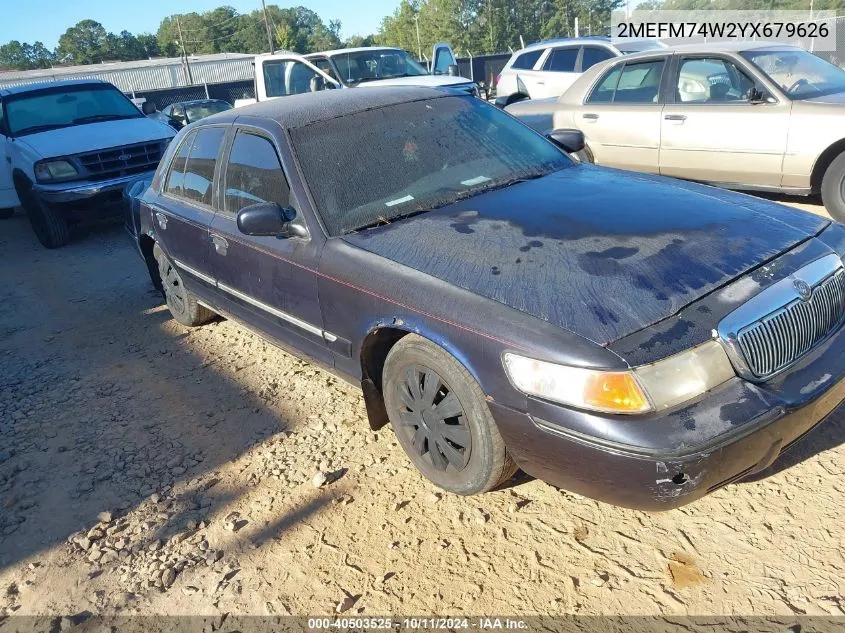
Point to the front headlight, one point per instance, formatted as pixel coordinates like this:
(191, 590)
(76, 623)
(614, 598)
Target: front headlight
(54, 170)
(643, 389)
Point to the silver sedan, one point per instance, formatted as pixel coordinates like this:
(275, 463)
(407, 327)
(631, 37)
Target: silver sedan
(748, 116)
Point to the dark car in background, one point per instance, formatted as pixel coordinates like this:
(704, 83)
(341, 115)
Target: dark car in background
(180, 114)
(635, 339)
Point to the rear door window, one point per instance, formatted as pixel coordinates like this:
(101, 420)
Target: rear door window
(176, 176)
(254, 174)
(633, 83)
(527, 60)
(199, 168)
(562, 60)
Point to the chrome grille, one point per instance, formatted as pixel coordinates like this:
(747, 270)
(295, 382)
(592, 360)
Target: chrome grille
(780, 338)
(122, 161)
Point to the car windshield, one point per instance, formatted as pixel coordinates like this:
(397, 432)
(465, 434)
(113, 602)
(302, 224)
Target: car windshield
(379, 166)
(374, 64)
(66, 106)
(197, 111)
(801, 75)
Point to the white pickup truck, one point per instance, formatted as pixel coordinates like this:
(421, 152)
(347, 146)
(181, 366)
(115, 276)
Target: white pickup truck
(284, 74)
(68, 148)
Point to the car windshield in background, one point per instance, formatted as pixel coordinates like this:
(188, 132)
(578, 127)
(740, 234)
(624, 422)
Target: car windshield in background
(801, 75)
(197, 111)
(67, 106)
(375, 64)
(381, 165)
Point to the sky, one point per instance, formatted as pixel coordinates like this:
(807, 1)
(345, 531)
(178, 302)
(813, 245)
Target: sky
(46, 20)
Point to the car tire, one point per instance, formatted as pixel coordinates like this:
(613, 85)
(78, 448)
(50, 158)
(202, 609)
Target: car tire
(183, 305)
(6, 213)
(463, 452)
(50, 228)
(833, 188)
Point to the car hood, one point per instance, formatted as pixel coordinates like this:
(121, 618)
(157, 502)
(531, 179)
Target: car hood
(421, 80)
(94, 136)
(600, 252)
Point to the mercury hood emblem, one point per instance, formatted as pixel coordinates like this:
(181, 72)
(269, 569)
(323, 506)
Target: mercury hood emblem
(803, 289)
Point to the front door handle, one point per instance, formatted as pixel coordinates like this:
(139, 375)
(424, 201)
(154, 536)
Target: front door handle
(590, 116)
(677, 118)
(162, 220)
(220, 244)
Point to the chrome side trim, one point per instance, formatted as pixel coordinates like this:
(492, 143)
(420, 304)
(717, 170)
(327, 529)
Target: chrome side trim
(769, 301)
(195, 273)
(284, 316)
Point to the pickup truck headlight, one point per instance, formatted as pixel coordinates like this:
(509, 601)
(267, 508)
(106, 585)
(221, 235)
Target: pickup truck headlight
(48, 170)
(643, 389)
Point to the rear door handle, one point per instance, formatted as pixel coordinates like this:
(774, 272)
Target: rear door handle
(590, 117)
(220, 244)
(676, 117)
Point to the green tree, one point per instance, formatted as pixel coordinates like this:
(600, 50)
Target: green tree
(84, 43)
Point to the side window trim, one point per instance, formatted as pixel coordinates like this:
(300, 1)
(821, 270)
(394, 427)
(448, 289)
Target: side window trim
(224, 168)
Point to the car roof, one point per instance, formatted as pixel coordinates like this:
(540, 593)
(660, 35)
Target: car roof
(47, 85)
(303, 109)
(714, 47)
(195, 101)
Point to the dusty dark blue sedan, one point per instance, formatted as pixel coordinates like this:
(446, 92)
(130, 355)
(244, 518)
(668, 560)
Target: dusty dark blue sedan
(635, 339)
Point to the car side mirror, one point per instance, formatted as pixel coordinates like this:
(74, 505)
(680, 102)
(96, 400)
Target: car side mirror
(570, 141)
(452, 70)
(268, 219)
(148, 107)
(755, 95)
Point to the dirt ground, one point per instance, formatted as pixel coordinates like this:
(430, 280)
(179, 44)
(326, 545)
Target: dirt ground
(148, 468)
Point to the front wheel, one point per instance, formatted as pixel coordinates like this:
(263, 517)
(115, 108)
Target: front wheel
(833, 188)
(441, 418)
(50, 227)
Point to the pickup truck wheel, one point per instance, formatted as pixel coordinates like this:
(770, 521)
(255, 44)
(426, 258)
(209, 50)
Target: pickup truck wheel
(6, 213)
(441, 419)
(50, 228)
(181, 302)
(833, 188)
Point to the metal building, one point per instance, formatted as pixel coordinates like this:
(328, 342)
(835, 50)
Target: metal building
(145, 75)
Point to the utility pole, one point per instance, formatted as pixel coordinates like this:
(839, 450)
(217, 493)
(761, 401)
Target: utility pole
(267, 26)
(419, 42)
(184, 52)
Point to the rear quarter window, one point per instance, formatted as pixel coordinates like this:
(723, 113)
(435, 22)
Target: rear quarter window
(527, 60)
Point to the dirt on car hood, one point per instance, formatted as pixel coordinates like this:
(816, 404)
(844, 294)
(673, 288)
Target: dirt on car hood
(600, 252)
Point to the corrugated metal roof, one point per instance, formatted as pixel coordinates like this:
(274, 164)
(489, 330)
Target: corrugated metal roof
(146, 74)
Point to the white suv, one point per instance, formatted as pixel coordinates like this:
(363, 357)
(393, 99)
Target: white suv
(546, 69)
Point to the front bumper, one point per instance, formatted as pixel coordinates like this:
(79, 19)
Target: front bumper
(73, 192)
(669, 460)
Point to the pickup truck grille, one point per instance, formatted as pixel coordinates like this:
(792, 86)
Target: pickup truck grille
(122, 161)
(780, 338)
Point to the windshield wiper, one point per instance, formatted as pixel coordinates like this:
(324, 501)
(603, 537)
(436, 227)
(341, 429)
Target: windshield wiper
(381, 221)
(103, 117)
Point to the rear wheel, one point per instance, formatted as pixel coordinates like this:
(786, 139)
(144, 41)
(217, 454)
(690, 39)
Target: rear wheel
(833, 188)
(441, 419)
(6, 213)
(50, 227)
(181, 302)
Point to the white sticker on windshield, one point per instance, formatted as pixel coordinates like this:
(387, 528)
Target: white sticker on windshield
(474, 181)
(393, 203)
